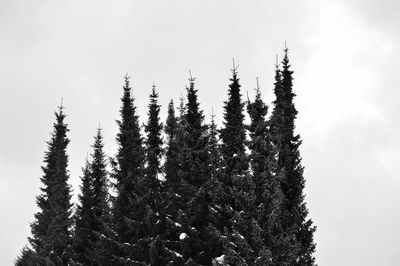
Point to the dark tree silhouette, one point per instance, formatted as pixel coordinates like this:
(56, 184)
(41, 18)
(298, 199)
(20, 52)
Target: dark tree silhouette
(207, 196)
(51, 235)
(128, 211)
(294, 211)
(153, 195)
(84, 236)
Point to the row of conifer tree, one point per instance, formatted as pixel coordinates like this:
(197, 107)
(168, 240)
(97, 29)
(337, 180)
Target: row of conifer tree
(185, 193)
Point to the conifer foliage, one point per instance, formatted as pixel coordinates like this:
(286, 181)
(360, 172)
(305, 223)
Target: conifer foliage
(183, 193)
(51, 230)
(92, 213)
(153, 197)
(84, 235)
(294, 211)
(128, 212)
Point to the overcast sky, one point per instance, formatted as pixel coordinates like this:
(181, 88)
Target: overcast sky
(344, 54)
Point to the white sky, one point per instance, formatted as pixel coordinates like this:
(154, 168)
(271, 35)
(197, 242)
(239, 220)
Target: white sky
(345, 61)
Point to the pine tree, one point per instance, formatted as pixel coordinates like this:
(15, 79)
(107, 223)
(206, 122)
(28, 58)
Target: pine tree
(128, 211)
(294, 211)
(51, 236)
(84, 236)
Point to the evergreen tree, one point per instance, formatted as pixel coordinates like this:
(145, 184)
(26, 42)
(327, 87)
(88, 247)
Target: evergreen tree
(238, 230)
(27, 258)
(51, 236)
(196, 177)
(233, 134)
(233, 137)
(260, 145)
(195, 140)
(128, 211)
(267, 187)
(99, 180)
(173, 204)
(153, 196)
(171, 131)
(100, 199)
(218, 204)
(294, 211)
(84, 236)
(214, 153)
(154, 141)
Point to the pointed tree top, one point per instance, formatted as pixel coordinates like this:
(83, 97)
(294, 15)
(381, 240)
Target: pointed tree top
(61, 106)
(248, 98)
(258, 92)
(191, 79)
(258, 84)
(61, 103)
(276, 61)
(235, 67)
(153, 89)
(286, 49)
(126, 78)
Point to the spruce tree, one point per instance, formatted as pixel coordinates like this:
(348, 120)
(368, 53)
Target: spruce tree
(214, 152)
(239, 232)
(214, 187)
(153, 197)
(101, 207)
(171, 131)
(84, 236)
(267, 184)
(260, 144)
(173, 203)
(27, 258)
(154, 142)
(51, 235)
(99, 176)
(233, 134)
(195, 140)
(196, 177)
(294, 211)
(233, 137)
(128, 211)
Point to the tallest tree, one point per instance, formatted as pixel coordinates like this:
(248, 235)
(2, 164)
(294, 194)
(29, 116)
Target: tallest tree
(294, 211)
(51, 228)
(129, 172)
